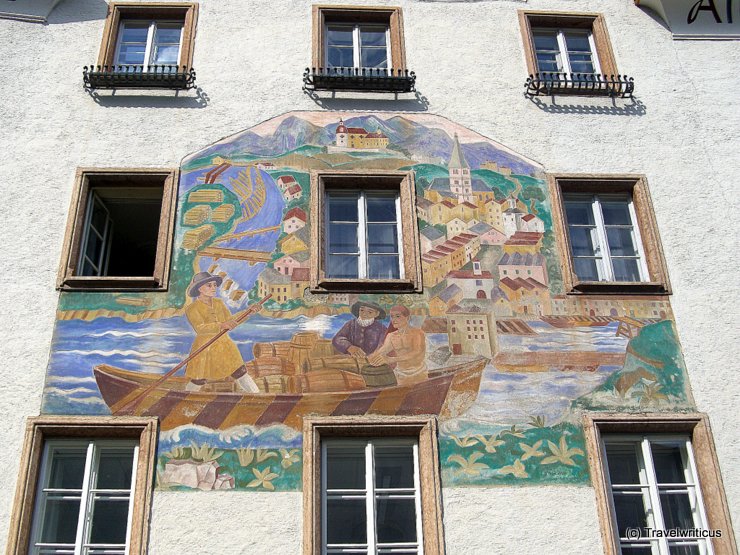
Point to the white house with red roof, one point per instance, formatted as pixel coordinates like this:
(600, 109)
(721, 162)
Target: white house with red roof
(285, 181)
(294, 219)
(347, 138)
(475, 283)
(532, 223)
(292, 192)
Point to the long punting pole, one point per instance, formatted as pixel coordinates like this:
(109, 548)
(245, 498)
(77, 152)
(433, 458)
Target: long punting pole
(129, 407)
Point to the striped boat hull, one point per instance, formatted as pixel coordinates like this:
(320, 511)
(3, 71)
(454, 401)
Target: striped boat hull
(447, 392)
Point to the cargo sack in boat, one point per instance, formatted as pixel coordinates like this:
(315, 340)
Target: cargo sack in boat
(323, 381)
(379, 376)
(269, 366)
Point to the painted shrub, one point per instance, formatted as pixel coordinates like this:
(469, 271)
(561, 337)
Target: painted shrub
(501, 355)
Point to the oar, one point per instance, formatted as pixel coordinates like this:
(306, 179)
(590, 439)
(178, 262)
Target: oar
(129, 407)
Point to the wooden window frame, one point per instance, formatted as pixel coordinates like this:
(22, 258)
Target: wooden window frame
(635, 185)
(422, 428)
(84, 181)
(696, 426)
(39, 429)
(118, 11)
(409, 243)
(594, 22)
(392, 16)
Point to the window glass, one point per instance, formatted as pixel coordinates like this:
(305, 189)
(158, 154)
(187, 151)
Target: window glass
(356, 46)
(133, 41)
(148, 43)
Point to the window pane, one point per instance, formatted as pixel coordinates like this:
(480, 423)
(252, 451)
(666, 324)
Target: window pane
(579, 213)
(342, 266)
(646, 550)
(623, 465)
(547, 62)
(339, 57)
(94, 246)
(396, 520)
(668, 464)
(343, 238)
(676, 510)
(165, 54)
(383, 267)
(372, 36)
(374, 58)
(167, 34)
(394, 466)
(626, 269)
(616, 213)
(132, 54)
(577, 42)
(115, 469)
(60, 521)
(67, 468)
(109, 519)
(581, 66)
(586, 269)
(684, 550)
(135, 32)
(382, 238)
(583, 241)
(339, 36)
(343, 208)
(620, 241)
(546, 41)
(630, 511)
(381, 209)
(99, 215)
(345, 467)
(346, 521)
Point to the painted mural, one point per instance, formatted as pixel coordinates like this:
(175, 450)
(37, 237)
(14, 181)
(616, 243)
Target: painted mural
(238, 350)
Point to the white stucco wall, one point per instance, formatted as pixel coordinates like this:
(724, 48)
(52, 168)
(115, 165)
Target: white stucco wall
(469, 60)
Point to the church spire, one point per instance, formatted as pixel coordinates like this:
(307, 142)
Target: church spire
(457, 158)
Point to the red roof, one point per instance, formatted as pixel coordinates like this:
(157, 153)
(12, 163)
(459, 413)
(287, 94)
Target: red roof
(286, 179)
(524, 238)
(295, 213)
(376, 136)
(294, 189)
(528, 217)
(357, 131)
(299, 274)
(470, 204)
(448, 204)
(522, 283)
(469, 274)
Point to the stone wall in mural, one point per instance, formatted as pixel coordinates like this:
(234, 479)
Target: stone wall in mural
(492, 346)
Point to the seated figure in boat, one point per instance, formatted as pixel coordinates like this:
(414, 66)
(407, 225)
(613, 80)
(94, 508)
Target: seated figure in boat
(208, 315)
(405, 347)
(363, 335)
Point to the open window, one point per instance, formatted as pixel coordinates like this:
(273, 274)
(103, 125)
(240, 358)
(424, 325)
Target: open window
(371, 486)
(649, 472)
(364, 234)
(358, 48)
(146, 45)
(119, 231)
(570, 53)
(608, 235)
(84, 486)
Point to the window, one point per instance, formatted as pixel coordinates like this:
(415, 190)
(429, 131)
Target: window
(608, 235)
(119, 230)
(146, 45)
(371, 486)
(570, 53)
(566, 43)
(358, 37)
(84, 486)
(358, 48)
(366, 235)
(649, 472)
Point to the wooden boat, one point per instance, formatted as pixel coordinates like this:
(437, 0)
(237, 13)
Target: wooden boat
(446, 392)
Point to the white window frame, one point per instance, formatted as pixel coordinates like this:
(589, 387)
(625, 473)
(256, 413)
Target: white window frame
(356, 43)
(369, 493)
(604, 266)
(82, 544)
(363, 254)
(151, 32)
(562, 57)
(101, 265)
(651, 490)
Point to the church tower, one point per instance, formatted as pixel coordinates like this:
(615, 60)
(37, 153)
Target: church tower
(342, 134)
(460, 183)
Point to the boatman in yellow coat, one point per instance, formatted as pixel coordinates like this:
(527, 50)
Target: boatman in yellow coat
(208, 315)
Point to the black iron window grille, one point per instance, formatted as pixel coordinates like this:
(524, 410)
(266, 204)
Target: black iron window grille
(547, 83)
(359, 79)
(136, 77)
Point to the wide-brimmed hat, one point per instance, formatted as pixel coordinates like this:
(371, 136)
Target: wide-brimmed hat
(199, 280)
(359, 304)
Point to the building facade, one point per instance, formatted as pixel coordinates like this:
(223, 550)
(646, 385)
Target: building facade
(242, 283)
